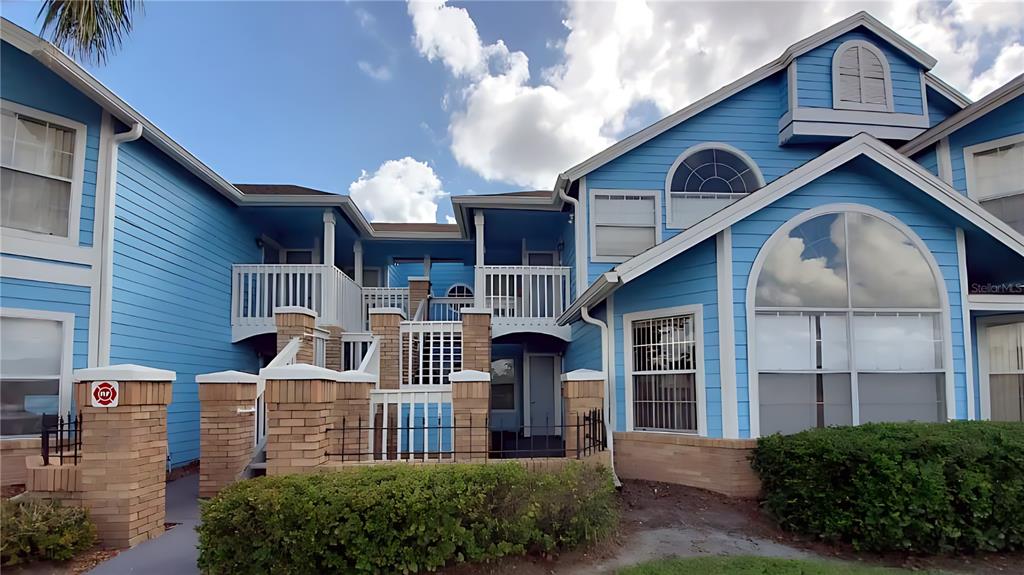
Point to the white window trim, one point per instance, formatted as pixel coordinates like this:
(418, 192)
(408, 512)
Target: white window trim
(67, 321)
(516, 362)
(592, 225)
(669, 219)
(525, 380)
(886, 78)
(945, 321)
(697, 311)
(971, 151)
(10, 235)
(985, 391)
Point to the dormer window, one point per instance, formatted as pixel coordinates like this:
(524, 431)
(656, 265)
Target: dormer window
(860, 78)
(707, 178)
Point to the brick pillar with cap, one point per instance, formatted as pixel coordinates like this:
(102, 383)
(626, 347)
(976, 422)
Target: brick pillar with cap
(419, 292)
(385, 323)
(295, 322)
(300, 404)
(124, 452)
(227, 428)
(582, 393)
(471, 405)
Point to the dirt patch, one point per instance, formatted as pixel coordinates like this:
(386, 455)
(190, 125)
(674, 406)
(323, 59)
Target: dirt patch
(8, 491)
(660, 520)
(84, 563)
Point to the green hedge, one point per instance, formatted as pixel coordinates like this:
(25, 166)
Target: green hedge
(34, 530)
(401, 518)
(909, 486)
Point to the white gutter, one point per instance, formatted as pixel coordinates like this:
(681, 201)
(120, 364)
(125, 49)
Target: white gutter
(576, 229)
(606, 367)
(107, 258)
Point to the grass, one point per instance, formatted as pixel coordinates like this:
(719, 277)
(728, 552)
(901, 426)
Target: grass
(753, 566)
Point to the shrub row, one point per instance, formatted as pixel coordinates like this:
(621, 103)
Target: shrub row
(33, 530)
(401, 518)
(910, 486)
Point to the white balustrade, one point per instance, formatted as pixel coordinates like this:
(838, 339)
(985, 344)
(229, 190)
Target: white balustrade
(285, 357)
(354, 347)
(413, 424)
(523, 292)
(374, 297)
(447, 308)
(431, 350)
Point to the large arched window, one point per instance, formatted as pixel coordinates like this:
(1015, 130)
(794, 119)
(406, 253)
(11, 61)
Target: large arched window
(848, 325)
(705, 179)
(860, 78)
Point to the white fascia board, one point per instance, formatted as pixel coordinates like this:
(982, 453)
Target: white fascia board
(862, 144)
(939, 85)
(605, 284)
(386, 311)
(777, 65)
(230, 376)
(994, 100)
(469, 376)
(124, 372)
(583, 375)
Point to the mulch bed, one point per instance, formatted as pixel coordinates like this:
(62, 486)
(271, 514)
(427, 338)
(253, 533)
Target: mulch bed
(649, 505)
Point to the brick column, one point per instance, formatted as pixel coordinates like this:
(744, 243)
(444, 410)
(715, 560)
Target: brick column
(296, 322)
(226, 428)
(476, 339)
(419, 291)
(471, 404)
(385, 323)
(300, 400)
(582, 392)
(124, 461)
(333, 355)
(351, 418)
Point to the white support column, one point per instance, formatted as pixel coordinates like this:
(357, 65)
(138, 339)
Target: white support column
(357, 254)
(479, 287)
(727, 336)
(426, 266)
(329, 237)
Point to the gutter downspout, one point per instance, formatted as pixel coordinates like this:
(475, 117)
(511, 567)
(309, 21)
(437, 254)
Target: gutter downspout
(585, 316)
(107, 262)
(576, 235)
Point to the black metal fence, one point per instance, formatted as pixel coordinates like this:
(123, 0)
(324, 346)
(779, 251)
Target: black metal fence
(409, 438)
(61, 439)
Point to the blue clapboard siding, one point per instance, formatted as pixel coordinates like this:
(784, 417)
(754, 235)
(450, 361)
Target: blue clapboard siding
(748, 121)
(784, 94)
(687, 279)
(175, 240)
(584, 351)
(444, 275)
(859, 182)
(939, 107)
(1007, 120)
(31, 84)
(814, 75)
(929, 160)
(569, 254)
(46, 296)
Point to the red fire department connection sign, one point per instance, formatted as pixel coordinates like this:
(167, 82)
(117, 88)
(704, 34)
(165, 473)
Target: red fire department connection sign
(104, 393)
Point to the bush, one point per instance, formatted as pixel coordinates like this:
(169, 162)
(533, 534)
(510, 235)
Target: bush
(35, 530)
(909, 486)
(401, 518)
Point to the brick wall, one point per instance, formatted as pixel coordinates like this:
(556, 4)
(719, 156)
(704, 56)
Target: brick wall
(226, 435)
(471, 404)
(720, 465)
(582, 392)
(294, 322)
(476, 340)
(12, 459)
(419, 291)
(385, 323)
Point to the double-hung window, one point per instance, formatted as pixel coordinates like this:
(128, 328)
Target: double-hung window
(623, 224)
(663, 372)
(995, 178)
(41, 169)
(34, 369)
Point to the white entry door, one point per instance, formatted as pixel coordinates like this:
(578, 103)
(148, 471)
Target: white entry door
(544, 392)
(1002, 364)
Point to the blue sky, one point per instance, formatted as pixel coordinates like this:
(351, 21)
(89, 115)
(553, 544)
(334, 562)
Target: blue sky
(430, 100)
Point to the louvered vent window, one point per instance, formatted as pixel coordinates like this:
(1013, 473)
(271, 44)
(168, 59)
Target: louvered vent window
(861, 78)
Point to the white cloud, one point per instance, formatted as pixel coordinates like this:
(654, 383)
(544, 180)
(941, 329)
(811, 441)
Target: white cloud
(380, 73)
(402, 190)
(510, 127)
(450, 220)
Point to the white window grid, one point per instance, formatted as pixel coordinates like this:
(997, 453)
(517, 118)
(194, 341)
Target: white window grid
(431, 351)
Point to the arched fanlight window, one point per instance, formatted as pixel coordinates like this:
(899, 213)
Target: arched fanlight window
(460, 290)
(707, 178)
(860, 78)
(848, 325)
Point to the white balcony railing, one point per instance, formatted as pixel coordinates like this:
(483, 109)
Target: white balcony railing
(256, 289)
(537, 292)
(447, 308)
(413, 424)
(431, 351)
(374, 297)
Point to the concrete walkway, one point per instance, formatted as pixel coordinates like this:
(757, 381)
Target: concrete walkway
(174, 552)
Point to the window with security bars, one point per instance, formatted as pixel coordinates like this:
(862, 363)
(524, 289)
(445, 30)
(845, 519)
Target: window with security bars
(431, 353)
(664, 374)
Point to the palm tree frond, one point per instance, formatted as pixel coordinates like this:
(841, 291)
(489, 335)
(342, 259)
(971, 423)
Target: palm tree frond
(88, 29)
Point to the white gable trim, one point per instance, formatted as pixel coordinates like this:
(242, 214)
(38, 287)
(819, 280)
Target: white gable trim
(860, 145)
(996, 99)
(859, 19)
(952, 94)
